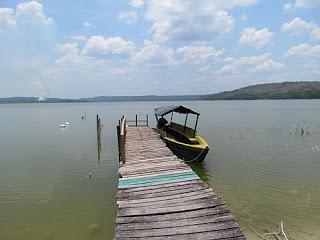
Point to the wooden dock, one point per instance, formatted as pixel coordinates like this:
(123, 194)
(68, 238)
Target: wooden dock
(160, 197)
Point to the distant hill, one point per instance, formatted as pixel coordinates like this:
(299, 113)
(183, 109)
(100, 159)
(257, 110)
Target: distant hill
(34, 100)
(285, 90)
(18, 100)
(103, 99)
(141, 98)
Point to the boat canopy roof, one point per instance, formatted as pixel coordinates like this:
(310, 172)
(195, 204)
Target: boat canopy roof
(161, 111)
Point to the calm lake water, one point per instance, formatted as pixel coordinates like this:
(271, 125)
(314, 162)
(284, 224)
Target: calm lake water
(261, 162)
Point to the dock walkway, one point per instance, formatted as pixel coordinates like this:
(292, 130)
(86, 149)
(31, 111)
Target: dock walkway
(160, 197)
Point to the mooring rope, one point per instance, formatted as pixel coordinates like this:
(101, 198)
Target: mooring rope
(190, 161)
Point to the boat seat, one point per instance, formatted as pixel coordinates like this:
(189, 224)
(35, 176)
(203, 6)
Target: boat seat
(178, 135)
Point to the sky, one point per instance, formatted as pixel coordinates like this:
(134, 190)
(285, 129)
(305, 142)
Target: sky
(72, 49)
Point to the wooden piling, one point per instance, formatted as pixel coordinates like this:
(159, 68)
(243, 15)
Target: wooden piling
(98, 121)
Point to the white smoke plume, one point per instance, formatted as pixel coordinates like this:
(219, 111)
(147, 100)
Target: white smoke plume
(43, 85)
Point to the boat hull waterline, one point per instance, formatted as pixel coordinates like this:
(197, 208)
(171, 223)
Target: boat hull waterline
(188, 153)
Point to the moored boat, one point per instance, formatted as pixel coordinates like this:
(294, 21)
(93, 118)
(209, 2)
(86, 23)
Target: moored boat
(184, 141)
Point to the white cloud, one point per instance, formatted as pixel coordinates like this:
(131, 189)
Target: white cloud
(223, 22)
(198, 54)
(136, 3)
(87, 24)
(26, 14)
(303, 50)
(257, 38)
(233, 65)
(244, 18)
(7, 19)
(78, 38)
(312, 65)
(26, 47)
(204, 68)
(287, 6)
(193, 20)
(120, 71)
(32, 11)
(99, 46)
(128, 17)
(268, 65)
(315, 34)
(68, 48)
(154, 54)
(297, 26)
(301, 4)
(71, 55)
(307, 3)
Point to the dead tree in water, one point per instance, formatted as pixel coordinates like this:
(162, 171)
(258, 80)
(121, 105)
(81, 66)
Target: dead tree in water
(99, 137)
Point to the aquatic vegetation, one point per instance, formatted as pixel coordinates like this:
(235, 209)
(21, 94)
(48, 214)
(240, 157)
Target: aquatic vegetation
(94, 228)
(316, 148)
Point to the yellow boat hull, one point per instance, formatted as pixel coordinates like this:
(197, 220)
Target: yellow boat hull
(188, 152)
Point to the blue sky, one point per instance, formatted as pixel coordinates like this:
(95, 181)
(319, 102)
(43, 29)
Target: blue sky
(138, 47)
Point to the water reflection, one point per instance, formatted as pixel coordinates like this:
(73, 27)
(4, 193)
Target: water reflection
(99, 148)
(201, 170)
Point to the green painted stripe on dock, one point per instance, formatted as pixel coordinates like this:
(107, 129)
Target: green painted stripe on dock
(159, 179)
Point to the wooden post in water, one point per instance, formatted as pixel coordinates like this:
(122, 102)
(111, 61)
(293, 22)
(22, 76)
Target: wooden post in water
(121, 132)
(118, 135)
(147, 120)
(97, 120)
(136, 119)
(98, 136)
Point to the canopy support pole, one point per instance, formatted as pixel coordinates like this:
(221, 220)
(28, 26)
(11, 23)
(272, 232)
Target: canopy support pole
(185, 123)
(195, 127)
(171, 118)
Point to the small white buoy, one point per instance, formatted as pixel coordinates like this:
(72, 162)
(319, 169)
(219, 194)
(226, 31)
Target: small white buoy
(66, 123)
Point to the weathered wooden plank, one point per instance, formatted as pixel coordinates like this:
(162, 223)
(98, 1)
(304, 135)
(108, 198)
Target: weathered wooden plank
(226, 217)
(137, 171)
(212, 211)
(206, 227)
(158, 168)
(160, 193)
(138, 155)
(200, 204)
(169, 191)
(152, 174)
(159, 175)
(230, 234)
(149, 172)
(174, 185)
(148, 160)
(181, 197)
(159, 161)
(168, 202)
(188, 171)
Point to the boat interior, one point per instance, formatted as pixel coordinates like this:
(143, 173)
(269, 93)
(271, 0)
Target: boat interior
(181, 133)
